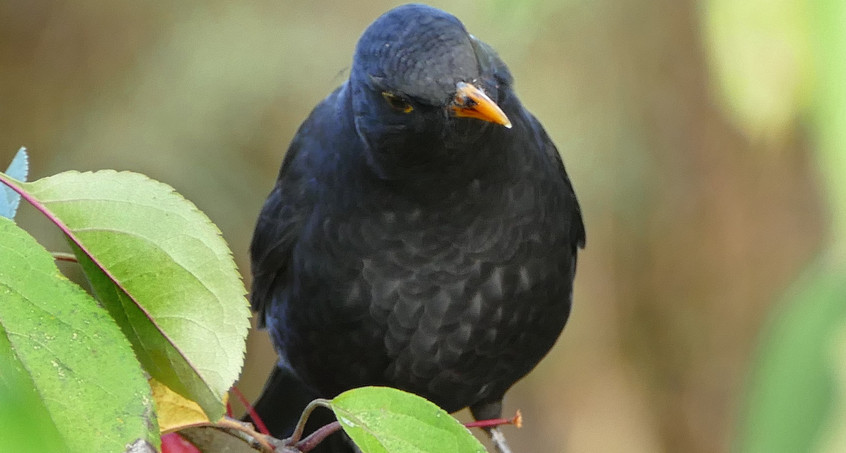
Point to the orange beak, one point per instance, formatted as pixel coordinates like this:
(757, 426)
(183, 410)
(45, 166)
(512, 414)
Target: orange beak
(471, 102)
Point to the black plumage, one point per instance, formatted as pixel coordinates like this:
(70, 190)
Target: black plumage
(422, 233)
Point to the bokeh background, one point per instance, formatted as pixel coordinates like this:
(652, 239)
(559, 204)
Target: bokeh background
(706, 142)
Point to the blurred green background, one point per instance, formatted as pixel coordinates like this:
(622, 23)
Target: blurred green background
(706, 141)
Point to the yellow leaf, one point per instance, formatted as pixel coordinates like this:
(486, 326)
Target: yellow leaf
(174, 410)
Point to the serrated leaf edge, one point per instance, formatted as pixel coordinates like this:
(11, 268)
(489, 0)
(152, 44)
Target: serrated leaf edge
(67, 232)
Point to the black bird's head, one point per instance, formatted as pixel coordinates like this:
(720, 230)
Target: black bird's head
(424, 90)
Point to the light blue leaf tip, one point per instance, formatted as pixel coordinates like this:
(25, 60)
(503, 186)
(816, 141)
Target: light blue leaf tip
(18, 169)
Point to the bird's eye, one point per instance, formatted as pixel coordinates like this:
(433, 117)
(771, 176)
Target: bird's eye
(397, 103)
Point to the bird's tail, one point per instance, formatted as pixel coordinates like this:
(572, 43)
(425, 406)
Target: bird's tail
(282, 402)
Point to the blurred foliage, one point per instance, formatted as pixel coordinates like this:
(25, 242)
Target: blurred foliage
(798, 377)
(692, 131)
(796, 394)
(760, 56)
(829, 111)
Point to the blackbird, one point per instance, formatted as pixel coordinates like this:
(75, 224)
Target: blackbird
(422, 233)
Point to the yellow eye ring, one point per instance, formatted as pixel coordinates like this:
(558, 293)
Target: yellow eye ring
(397, 103)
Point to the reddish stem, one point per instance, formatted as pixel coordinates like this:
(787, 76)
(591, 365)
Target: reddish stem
(250, 410)
(175, 443)
(316, 437)
(517, 421)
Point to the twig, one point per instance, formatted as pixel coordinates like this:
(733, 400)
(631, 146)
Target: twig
(517, 421)
(298, 431)
(246, 429)
(316, 437)
(62, 256)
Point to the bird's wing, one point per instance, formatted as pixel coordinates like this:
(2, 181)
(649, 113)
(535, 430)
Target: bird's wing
(276, 232)
(288, 207)
(577, 226)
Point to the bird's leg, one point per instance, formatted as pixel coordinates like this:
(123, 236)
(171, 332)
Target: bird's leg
(488, 411)
(499, 440)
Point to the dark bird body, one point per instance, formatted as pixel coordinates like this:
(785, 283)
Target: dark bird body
(413, 239)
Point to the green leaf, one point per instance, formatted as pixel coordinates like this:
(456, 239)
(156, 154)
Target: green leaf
(387, 420)
(793, 387)
(57, 341)
(25, 424)
(163, 271)
(9, 199)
